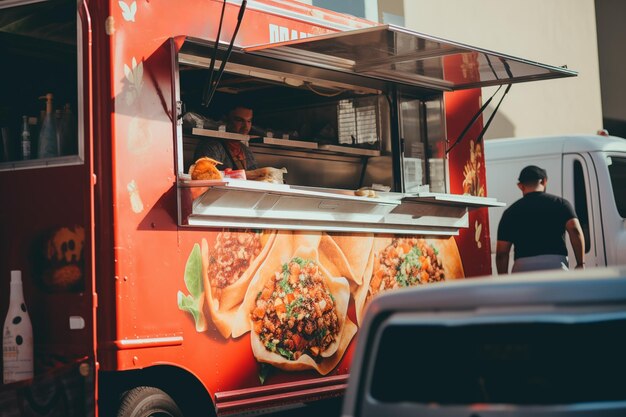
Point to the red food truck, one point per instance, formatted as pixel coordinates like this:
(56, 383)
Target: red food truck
(151, 290)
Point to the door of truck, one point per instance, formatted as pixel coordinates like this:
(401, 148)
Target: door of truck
(580, 188)
(611, 171)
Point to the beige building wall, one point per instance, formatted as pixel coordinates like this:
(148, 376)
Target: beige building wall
(554, 32)
(611, 36)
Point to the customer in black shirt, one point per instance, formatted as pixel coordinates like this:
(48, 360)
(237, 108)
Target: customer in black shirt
(535, 226)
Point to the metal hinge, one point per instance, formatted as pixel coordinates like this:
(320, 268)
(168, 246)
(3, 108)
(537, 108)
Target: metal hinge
(179, 111)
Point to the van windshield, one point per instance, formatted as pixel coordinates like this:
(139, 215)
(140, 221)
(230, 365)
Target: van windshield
(617, 172)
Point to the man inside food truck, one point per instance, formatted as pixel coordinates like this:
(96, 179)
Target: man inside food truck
(233, 154)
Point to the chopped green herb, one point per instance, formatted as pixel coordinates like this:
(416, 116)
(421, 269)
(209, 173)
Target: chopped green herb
(264, 371)
(320, 333)
(300, 261)
(284, 282)
(293, 305)
(285, 353)
(402, 279)
(410, 262)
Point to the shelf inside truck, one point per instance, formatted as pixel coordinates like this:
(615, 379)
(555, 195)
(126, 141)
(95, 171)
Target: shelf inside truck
(350, 150)
(285, 143)
(290, 143)
(220, 134)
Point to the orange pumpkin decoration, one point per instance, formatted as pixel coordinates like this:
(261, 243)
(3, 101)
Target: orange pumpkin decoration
(64, 259)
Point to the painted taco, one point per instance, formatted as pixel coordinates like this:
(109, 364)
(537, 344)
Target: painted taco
(228, 268)
(347, 254)
(399, 262)
(297, 311)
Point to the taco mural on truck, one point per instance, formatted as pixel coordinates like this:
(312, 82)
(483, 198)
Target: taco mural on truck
(297, 297)
(227, 269)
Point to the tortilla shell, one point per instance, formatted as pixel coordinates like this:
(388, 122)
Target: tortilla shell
(308, 239)
(338, 287)
(346, 254)
(448, 255)
(360, 293)
(223, 309)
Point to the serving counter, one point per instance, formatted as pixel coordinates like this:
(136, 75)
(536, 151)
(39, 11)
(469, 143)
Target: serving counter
(261, 205)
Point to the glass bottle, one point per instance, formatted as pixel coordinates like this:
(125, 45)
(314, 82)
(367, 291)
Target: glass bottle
(48, 145)
(17, 336)
(68, 143)
(26, 142)
(58, 117)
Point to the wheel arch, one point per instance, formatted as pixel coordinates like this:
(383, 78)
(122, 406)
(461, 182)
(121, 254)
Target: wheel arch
(184, 387)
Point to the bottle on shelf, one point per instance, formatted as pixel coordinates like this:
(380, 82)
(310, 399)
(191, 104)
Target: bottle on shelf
(26, 141)
(68, 144)
(48, 145)
(58, 120)
(33, 123)
(4, 139)
(17, 336)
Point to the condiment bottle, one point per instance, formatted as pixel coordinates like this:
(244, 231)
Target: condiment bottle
(48, 145)
(17, 336)
(26, 142)
(68, 143)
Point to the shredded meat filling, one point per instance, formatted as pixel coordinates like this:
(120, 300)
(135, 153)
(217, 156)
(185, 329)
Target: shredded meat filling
(295, 313)
(231, 256)
(405, 262)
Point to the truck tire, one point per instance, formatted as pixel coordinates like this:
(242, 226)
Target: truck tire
(147, 402)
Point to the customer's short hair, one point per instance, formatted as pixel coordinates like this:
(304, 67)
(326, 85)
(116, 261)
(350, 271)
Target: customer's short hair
(532, 174)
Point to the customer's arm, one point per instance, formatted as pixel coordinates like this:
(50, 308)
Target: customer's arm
(577, 239)
(502, 256)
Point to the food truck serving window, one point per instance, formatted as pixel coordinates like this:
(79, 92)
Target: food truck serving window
(350, 137)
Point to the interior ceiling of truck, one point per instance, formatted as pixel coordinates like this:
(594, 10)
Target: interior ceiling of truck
(51, 20)
(241, 77)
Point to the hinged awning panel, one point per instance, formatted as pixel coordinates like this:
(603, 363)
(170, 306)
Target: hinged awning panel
(396, 54)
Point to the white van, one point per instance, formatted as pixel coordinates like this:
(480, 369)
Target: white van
(494, 348)
(589, 171)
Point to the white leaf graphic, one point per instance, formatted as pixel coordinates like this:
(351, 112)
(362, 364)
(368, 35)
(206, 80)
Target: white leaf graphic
(134, 75)
(135, 199)
(479, 228)
(477, 234)
(128, 12)
(128, 73)
(139, 76)
(124, 6)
